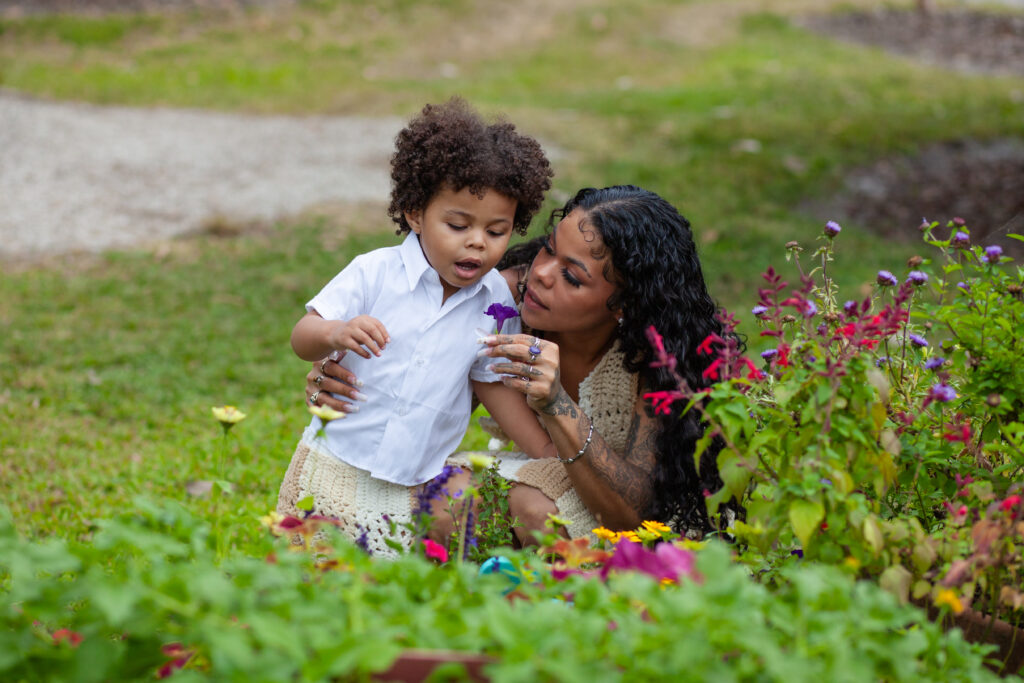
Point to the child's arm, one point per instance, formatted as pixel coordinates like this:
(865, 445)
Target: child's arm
(313, 337)
(508, 407)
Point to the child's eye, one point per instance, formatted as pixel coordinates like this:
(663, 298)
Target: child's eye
(496, 233)
(570, 278)
(456, 227)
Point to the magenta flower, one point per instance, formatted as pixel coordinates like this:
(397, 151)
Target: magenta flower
(435, 551)
(665, 562)
(886, 279)
(992, 254)
(832, 229)
(501, 313)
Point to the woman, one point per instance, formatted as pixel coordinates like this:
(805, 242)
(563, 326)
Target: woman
(620, 260)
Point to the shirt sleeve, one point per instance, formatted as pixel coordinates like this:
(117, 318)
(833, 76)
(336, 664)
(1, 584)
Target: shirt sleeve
(344, 297)
(479, 371)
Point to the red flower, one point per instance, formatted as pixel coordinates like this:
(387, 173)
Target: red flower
(964, 433)
(290, 522)
(1010, 503)
(435, 551)
(712, 371)
(63, 634)
(705, 347)
(663, 400)
(753, 373)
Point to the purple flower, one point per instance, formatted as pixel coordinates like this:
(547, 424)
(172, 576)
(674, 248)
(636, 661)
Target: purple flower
(809, 309)
(884, 360)
(992, 254)
(964, 286)
(501, 313)
(666, 561)
(960, 239)
(934, 363)
(917, 277)
(759, 310)
(959, 222)
(850, 307)
(769, 354)
(886, 279)
(942, 393)
(433, 489)
(832, 229)
(918, 340)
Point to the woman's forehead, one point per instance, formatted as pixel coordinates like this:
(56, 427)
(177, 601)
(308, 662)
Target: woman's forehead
(576, 233)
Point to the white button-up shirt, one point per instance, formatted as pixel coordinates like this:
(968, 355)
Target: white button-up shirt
(418, 392)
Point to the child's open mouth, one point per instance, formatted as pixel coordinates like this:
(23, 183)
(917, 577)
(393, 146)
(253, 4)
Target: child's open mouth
(467, 269)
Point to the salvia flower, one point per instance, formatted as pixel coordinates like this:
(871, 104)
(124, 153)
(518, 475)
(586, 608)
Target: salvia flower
(917, 277)
(934, 363)
(501, 313)
(886, 279)
(992, 254)
(917, 340)
(832, 228)
(960, 239)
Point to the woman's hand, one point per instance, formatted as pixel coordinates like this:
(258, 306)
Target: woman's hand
(328, 377)
(532, 367)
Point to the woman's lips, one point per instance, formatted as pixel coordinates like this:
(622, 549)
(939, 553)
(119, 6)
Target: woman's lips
(532, 301)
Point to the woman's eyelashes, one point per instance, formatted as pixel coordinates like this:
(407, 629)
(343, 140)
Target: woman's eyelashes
(569, 277)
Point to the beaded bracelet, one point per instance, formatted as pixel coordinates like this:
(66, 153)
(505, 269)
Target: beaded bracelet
(569, 461)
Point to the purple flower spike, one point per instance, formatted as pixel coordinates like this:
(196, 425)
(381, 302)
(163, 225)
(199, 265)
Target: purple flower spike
(501, 313)
(886, 279)
(992, 254)
(917, 277)
(934, 363)
(942, 393)
(832, 228)
(960, 239)
(918, 340)
(759, 310)
(769, 354)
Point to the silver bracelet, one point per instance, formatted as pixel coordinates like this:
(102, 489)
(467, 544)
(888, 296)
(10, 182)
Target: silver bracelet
(569, 461)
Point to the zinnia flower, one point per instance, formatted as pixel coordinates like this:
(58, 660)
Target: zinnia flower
(480, 462)
(606, 534)
(886, 279)
(435, 551)
(832, 229)
(501, 313)
(228, 415)
(949, 598)
(326, 413)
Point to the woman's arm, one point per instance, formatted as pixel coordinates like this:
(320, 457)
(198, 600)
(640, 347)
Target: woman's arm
(616, 488)
(509, 409)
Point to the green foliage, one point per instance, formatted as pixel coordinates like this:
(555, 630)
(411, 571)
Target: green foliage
(148, 594)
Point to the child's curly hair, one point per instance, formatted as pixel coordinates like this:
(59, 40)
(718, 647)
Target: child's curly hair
(450, 145)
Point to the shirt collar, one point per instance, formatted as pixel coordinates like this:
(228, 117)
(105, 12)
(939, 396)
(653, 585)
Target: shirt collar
(416, 266)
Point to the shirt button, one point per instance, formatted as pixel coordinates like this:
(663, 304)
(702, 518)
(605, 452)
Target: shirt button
(403, 409)
(420, 361)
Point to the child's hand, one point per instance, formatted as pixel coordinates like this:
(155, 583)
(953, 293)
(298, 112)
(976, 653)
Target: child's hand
(358, 332)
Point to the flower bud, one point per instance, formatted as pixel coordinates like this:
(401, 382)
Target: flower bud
(959, 222)
(788, 318)
(992, 254)
(924, 225)
(832, 229)
(914, 261)
(886, 279)
(994, 400)
(960, 239)
(792, 244)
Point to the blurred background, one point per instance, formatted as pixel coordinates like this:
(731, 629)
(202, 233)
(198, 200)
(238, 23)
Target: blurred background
(178, 177)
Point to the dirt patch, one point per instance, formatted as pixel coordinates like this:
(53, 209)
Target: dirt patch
(983, 182)
(17, 8)
(959, 39)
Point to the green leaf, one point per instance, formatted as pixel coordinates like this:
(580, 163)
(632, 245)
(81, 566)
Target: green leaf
(873, 535)
(805, 516)
(305, 504)
(225, 486)
(896, 580)
(114, 601)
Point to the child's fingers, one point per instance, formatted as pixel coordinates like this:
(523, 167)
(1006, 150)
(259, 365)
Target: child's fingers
(363, 338)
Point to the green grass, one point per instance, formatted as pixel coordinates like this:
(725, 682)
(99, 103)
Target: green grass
(108, 368)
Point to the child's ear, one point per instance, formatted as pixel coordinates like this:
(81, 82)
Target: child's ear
(414, 219)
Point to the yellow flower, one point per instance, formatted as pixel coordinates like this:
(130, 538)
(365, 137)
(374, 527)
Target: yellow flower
(631, 536)
(657, 527)
(605, 534)
(326, 413)
(228, 415)
(948, 597)
(271, 519)
(480, 462)
(852, 562)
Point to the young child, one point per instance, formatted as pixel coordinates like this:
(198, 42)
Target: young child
(406, 320)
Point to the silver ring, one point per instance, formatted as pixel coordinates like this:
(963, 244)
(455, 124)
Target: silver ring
(319, 378)
(314, 397)
(533, 358)
(526, 378)
(323, 365)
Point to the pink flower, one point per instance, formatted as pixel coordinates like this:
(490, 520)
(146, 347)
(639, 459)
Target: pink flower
(63, 634)
(666, 561)
(705, 347)
(712, 370)
(1010, 503)
(435, 551)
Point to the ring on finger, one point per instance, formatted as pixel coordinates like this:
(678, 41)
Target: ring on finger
(534, 349)
(318, 380)
(323, 365)
(314, 397)
(535, 372)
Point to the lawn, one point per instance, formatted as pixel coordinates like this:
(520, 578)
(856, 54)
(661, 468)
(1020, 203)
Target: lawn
(109, 365)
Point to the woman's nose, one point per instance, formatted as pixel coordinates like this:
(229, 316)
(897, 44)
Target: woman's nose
(543, 269)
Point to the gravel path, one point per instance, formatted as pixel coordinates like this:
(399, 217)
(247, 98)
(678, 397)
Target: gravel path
(79, 177)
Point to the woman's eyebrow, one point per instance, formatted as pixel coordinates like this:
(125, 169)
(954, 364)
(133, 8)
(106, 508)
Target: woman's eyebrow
(575, 261)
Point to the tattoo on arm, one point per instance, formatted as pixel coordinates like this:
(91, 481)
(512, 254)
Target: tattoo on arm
(629, 474)
(561, 404)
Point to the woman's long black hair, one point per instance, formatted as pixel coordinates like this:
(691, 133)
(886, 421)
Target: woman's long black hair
(659, 282)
